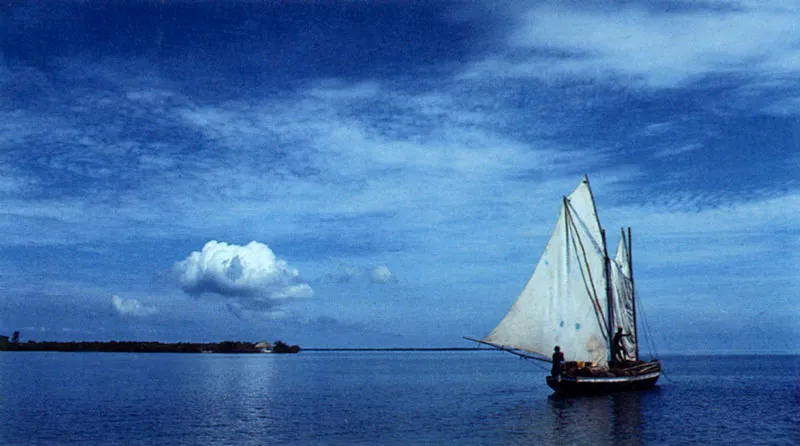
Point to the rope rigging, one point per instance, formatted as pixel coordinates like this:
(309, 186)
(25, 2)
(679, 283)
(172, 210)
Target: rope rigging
(647, 333)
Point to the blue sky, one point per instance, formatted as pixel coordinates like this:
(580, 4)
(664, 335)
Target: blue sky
(387, 173)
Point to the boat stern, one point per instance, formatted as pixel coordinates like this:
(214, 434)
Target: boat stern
(553, 382)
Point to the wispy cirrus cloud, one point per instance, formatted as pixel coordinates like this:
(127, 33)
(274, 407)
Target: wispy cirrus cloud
(665, 152)
(783, 107)
(724, 249)
(657, 45)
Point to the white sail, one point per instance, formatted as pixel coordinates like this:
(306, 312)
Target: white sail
(623, 314)
(564, 302)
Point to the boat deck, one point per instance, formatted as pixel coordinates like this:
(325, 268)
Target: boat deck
(639, 377)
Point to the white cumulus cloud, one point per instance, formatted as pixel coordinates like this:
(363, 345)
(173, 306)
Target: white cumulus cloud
(352, 273)
(252, 276)
(132, 307)
(381, 274)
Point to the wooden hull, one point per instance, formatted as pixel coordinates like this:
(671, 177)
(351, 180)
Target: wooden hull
(594, 385)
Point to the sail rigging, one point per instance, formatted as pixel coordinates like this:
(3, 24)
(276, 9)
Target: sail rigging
(579, 298)
(624, 314)
(564, 302)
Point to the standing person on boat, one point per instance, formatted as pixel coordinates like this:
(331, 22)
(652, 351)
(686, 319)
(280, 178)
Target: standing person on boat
(558, 358)
(620, 354)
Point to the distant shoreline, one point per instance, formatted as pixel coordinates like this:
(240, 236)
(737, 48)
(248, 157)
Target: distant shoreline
(238, 347)
(197, 347)
(148, 347)
(190, 347)
(395, 349)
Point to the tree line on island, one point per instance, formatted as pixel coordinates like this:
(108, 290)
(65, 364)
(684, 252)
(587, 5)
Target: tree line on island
(13, 344)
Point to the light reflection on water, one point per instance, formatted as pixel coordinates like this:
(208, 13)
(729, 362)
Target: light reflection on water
(608, 419)
(378, 398)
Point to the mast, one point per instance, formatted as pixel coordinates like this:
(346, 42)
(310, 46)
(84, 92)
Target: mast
(633, 293)
(565, 204)
(609, 299)
(565, 290)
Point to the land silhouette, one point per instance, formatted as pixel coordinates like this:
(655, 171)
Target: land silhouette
(149, 346)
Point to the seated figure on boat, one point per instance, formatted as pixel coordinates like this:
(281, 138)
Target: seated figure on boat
(558, 360)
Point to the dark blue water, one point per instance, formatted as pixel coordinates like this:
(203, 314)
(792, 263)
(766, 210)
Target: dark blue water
(381, 398)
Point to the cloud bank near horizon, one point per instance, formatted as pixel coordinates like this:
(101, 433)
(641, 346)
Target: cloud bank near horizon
(379, 274)
(132, 307)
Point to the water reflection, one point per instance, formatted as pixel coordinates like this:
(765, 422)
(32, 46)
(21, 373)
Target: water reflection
(607, 419)
(238, 391)
(627, 417)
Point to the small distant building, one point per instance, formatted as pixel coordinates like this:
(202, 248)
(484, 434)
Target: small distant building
(3, 342)
(264, 347)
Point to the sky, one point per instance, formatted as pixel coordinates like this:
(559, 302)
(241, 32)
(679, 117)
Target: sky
(385, 174)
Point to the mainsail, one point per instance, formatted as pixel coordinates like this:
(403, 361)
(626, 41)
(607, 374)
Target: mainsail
(565, 302)
(624, 310)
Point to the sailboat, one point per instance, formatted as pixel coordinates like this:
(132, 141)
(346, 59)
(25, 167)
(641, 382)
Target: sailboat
(575, 299)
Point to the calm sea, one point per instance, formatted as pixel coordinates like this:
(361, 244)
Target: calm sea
(330, 398)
